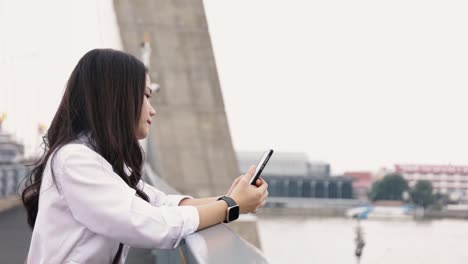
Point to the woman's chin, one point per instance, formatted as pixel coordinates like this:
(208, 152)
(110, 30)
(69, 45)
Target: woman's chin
(142, 135)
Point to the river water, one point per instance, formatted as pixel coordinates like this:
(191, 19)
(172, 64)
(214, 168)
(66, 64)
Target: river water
(332, 240)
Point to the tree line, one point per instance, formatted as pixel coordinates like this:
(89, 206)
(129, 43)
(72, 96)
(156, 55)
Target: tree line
(394, 187)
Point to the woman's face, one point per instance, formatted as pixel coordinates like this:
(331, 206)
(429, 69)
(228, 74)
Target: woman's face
(147, 112)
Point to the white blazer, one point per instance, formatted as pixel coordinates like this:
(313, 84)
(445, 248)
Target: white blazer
(90, 210)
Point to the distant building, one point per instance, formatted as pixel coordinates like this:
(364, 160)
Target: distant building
(293, 175)
(445, 179)
(11, 171)
(10, 150)
(362, 183)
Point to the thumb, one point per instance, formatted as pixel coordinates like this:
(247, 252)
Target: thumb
(251, 170)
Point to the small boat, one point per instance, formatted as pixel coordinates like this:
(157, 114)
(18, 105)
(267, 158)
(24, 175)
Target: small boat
(404, 212)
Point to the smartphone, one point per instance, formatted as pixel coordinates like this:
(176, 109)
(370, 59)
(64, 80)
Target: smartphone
(261, 165)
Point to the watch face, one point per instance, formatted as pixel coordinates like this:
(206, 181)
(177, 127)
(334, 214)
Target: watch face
(233, 213)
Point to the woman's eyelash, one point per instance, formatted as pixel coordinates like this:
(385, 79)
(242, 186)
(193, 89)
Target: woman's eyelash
(148, 96)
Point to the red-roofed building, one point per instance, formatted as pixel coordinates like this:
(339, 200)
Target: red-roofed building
(362, 183)
(446, 179)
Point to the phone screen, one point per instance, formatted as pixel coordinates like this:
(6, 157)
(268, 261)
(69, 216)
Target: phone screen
(261, 165)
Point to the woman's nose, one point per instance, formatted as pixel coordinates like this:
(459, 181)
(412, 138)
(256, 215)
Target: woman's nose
(152, 111)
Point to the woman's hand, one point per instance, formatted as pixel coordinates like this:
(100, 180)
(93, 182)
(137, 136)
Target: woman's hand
(249, 198)
(234, 183)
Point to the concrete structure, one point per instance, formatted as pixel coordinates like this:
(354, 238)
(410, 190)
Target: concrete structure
(15, 235)
(190, 145)
(445, 179)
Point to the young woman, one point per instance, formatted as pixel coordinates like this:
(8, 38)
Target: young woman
(85, 199)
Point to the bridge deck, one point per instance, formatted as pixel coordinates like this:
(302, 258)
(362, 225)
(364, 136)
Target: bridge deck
(15, 235)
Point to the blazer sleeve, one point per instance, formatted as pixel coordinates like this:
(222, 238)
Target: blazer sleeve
(100, 200)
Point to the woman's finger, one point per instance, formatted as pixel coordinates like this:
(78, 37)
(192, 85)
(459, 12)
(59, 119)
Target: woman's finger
(252, 169)
(258, 183)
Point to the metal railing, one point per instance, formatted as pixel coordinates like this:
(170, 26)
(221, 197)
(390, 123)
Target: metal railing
(217, 244)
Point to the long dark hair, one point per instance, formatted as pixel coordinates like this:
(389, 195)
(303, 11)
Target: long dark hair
(102, 100)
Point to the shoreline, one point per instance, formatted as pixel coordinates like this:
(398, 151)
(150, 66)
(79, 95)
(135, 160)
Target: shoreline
(330, 212)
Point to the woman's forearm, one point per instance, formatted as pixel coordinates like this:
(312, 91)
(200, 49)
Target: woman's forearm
(211, 213)
(198, 201)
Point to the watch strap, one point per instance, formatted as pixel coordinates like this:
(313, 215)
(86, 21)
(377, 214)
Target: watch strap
(228, 200)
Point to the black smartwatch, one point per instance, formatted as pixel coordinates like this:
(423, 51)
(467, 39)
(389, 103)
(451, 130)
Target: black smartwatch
(233, 209)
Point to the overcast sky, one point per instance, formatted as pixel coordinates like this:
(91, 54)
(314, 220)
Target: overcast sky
(359, 84)
(40, 44)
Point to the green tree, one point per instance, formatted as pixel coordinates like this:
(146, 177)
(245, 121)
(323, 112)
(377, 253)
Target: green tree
(421, 193)
(391, 187)
(440, 200)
